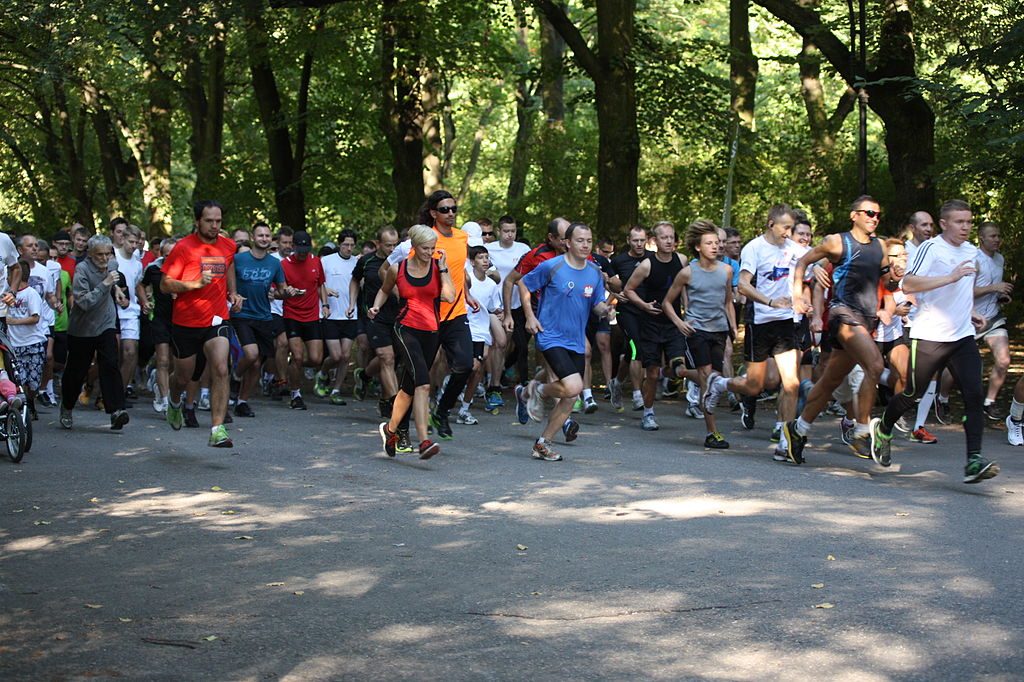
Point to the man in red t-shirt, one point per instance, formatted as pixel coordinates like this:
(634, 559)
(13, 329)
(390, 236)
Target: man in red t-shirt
(302, 313)
(200, 272)
(62, 242)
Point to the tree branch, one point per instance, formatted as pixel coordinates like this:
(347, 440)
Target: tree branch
(573, 38)
(808, 24)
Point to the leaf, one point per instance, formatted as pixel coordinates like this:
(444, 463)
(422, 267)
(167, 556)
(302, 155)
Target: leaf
(120, 481)
(42, 523)
(825, 605)
(902, 513)
(94, 500)
(216, 488)
(522, 548)
(244, 537)
(229, 512)
(276, 584)
(398, 544)
(830, 558)
(125, 620)
(93, 606)
(211, 638)
(818, 586)
(298, 593)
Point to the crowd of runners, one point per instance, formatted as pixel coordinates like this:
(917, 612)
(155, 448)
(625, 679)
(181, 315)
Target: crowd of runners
(440, 318)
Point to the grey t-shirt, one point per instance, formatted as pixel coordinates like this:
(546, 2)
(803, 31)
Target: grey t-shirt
(705, 294)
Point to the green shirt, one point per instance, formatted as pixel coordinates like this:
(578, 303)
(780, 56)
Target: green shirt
(61, 325)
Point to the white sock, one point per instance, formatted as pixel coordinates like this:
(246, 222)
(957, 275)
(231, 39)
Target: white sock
(802, 427)
(989, 401)
(296, 393)
(925, 405)
(637, 395)
(861, 430)
(1016, 410)
(648, 411)
(49, 386)
(465, 406)
(588, 393)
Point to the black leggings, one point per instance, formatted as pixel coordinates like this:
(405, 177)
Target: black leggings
(81, 350)
(457, 341)
(927, 358)
(416, 350)
(520, 355)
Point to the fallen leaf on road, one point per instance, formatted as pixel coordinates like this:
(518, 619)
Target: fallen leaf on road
(830, 558)
(307, 486)
(818, 586)
(125, 620)
(42, 523)
(35, 507)
(17, 511)
(398, 544)
(229, 512)
(93, 606)
(198, 513)
(298, 593)
(216, 488)
(824, 605)
(120, 481)
(279, 584)
(244, 537)
(210, 638)
(94, 500)
(522, 548)
(902, 513)
(536, 594)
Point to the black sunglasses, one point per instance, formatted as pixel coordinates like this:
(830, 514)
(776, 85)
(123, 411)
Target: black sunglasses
(869, 213)
(447, 209)
(487, 234)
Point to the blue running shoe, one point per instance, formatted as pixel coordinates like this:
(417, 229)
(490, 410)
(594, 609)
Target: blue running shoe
(570, 429)
(521, 414)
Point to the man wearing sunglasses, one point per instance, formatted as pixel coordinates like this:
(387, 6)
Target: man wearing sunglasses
(859, 260)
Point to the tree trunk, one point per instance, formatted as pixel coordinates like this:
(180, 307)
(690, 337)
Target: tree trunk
(74, 164)
(204, 100)
(526, 116)
(287, 176)
(552, 50)
(118, 172)
(742, 63)
(400, 118)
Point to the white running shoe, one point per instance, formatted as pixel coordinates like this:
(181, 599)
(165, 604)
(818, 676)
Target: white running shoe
(1014, 432)
(464, 417)
(648, 423)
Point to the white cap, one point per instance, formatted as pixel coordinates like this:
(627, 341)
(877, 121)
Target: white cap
(475, 233)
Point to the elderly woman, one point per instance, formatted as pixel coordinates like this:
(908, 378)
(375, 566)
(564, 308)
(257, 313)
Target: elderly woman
(92, 331)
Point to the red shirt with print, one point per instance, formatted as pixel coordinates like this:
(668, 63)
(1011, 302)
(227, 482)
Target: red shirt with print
(187, 261)
(535, 257)
(305, 274)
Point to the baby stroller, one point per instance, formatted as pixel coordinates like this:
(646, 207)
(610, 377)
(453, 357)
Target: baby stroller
(15, 424)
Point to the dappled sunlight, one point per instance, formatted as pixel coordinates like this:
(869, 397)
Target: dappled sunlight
(51, 542)
(405, 633)
(445, 515)
(354, 582)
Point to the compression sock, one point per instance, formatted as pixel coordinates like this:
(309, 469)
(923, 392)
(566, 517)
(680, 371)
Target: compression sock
(925, 405)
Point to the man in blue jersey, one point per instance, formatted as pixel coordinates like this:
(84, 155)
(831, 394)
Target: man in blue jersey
(569, 288)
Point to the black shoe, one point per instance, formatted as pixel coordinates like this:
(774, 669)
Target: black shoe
(190, 418)
(129, 392)
(228, 419)
(441, 427)
(243, 410)
(993, 413)
(942, 411)
(297, 403)
(404, 444)
(716, 441)
(118, 420)
(794, 443)
(748, 405)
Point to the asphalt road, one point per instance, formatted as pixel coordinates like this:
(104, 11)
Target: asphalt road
(305, 553)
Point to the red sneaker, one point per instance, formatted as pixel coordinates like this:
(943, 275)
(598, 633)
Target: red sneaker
(922, 435)
(428, 449)
(388, 438)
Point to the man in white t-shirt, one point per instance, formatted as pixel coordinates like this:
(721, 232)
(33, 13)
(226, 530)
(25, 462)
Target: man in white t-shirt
(340, 327)
(488, 295)
(921, 226)
(9, 262)
(505, 254)
(990, 293)
(766, 267)
(942, 275)
(130, 266)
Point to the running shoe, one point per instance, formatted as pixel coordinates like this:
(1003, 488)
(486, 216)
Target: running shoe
(577, 406)
(129, 392)
(942, 411)
(309, 373)
(428, 449)
(794, 443)
(881, 444)
(904, 426)
(388, 439)
(694, 412)
(190, 418)
(522, 415)
(159, 405)
(1014, 431)
(535, 402)
(118, 420)
(716, 441)
(848, 429)
(465, 417)
(297, 403)
(359, 383)
(835, 409)
(978, 469)
(243, 410)
(45, 401)
(219, 438)
(589, 405)
(320, 385)
(648, 423)
(780, 455)
(715, 390)
(174, 416)
(493, 401)
(67, 422)
(638, 403)
(992, 412)
(615, 394)
(441, 426)
(860, 446)
(672, 387)
(776, 436)
(543, 452)
(336, 398)
(692, 391)
(570, 429)
(748, 410)
(922, 435)
(404, 444)
(204, 402)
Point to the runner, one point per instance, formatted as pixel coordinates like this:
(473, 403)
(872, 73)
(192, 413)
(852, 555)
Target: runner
(709, 320)
(439, 212)
(488, 297)
(505, 255)
(302, 312)
(990, 292)
(570, 287)
(130, 266)
(659, 338)
(1015, 420)
(766, 267)
(28, 340)
(628, 319)
(260, 277)
(942, 275)
(160, 326)
(422, 282)
(341, 326)
(859, 260)
(200, 272)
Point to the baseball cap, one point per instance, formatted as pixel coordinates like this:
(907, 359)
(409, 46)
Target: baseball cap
(63, 235)
(302, 242)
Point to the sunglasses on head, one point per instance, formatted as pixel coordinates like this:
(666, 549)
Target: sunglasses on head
(447, 209)
(869, 213)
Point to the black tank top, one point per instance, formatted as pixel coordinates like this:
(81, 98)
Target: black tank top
(856, 274)
(660, 280)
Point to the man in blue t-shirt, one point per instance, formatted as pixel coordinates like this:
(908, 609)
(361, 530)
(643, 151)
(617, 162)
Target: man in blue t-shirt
(568, 289)
(257, 274)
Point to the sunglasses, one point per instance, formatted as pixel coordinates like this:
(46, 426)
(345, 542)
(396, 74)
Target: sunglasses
(869, 213)
(447, 209)
(487, 234)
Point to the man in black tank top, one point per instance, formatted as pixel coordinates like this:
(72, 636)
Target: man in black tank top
(659, 338)
(859, 261)
(628, 318)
